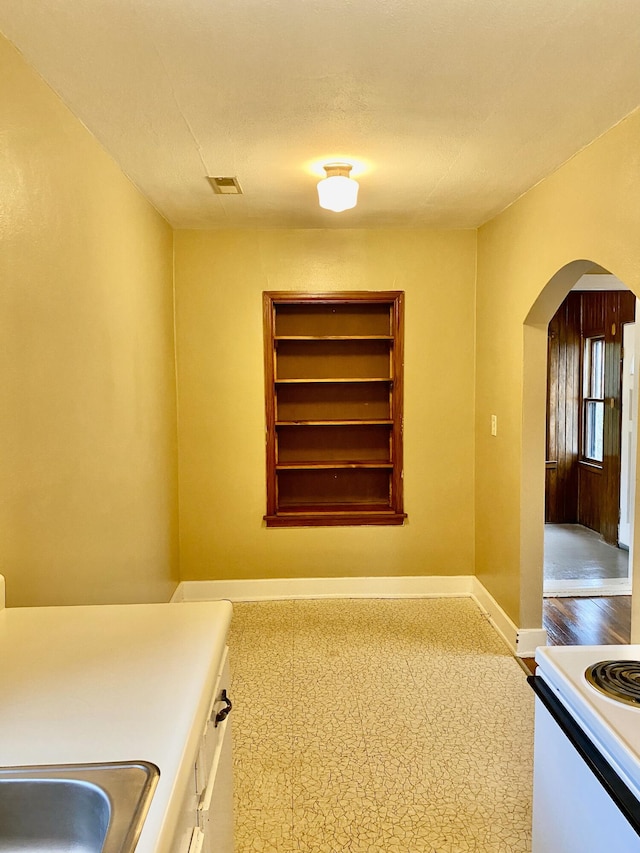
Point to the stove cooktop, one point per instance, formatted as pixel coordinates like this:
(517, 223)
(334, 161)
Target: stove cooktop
(613, 725)
(617, 679)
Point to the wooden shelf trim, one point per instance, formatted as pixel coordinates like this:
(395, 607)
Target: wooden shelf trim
(330, 297)
(326, 517)
(356, 338)
(319, 466)
(336, 423)
(333, 381)
(310, 508)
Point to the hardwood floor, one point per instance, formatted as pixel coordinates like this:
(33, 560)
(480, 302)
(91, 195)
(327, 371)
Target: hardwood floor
(605, 620)
(598, 621)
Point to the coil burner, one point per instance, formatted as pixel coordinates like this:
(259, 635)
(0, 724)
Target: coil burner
(617, 679)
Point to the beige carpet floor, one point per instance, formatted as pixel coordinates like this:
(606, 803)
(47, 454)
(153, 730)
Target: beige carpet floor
(378, 725)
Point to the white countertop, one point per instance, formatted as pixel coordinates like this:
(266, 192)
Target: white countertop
(125, 682)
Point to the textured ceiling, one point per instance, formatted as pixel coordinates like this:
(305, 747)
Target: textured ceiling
(450, 109)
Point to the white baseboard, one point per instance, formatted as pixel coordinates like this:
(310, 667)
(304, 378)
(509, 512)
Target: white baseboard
(522, 642)
(277, 589)
(178, 594)
(528, 640)
(495, 614)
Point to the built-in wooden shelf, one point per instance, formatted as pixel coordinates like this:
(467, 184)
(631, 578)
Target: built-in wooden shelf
(333, 378)
(334, 516)
(334, 423)
(333, 338)
(316, 466)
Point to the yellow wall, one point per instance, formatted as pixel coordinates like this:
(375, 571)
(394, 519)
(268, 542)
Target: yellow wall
(88, 468)
(219, 281)
(589, 209)
(88, 479)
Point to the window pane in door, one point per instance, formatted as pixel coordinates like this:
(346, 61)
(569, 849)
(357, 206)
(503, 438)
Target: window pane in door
(596, 382)
(594, 430)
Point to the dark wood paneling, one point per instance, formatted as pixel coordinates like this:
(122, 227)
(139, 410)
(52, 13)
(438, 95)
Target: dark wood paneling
(594, 306)
(575, 491)
(627, 307)
(563, 390)
(551, 513)
(590, 495)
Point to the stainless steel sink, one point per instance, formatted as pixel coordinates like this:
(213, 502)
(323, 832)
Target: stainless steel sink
(84, 808)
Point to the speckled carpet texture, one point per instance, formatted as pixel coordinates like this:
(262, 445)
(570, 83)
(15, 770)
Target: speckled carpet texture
(378, 725)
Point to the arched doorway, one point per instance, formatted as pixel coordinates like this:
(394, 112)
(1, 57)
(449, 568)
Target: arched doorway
(534, 424)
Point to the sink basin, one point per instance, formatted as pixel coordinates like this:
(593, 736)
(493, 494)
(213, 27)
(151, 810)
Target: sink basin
(84, 808)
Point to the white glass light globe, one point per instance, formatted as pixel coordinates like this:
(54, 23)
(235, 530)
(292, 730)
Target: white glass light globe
(338, 193)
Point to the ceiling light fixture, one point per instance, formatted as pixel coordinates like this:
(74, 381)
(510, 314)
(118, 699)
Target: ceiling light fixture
(338, 191)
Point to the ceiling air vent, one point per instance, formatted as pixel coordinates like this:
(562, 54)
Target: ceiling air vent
(225, 186)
